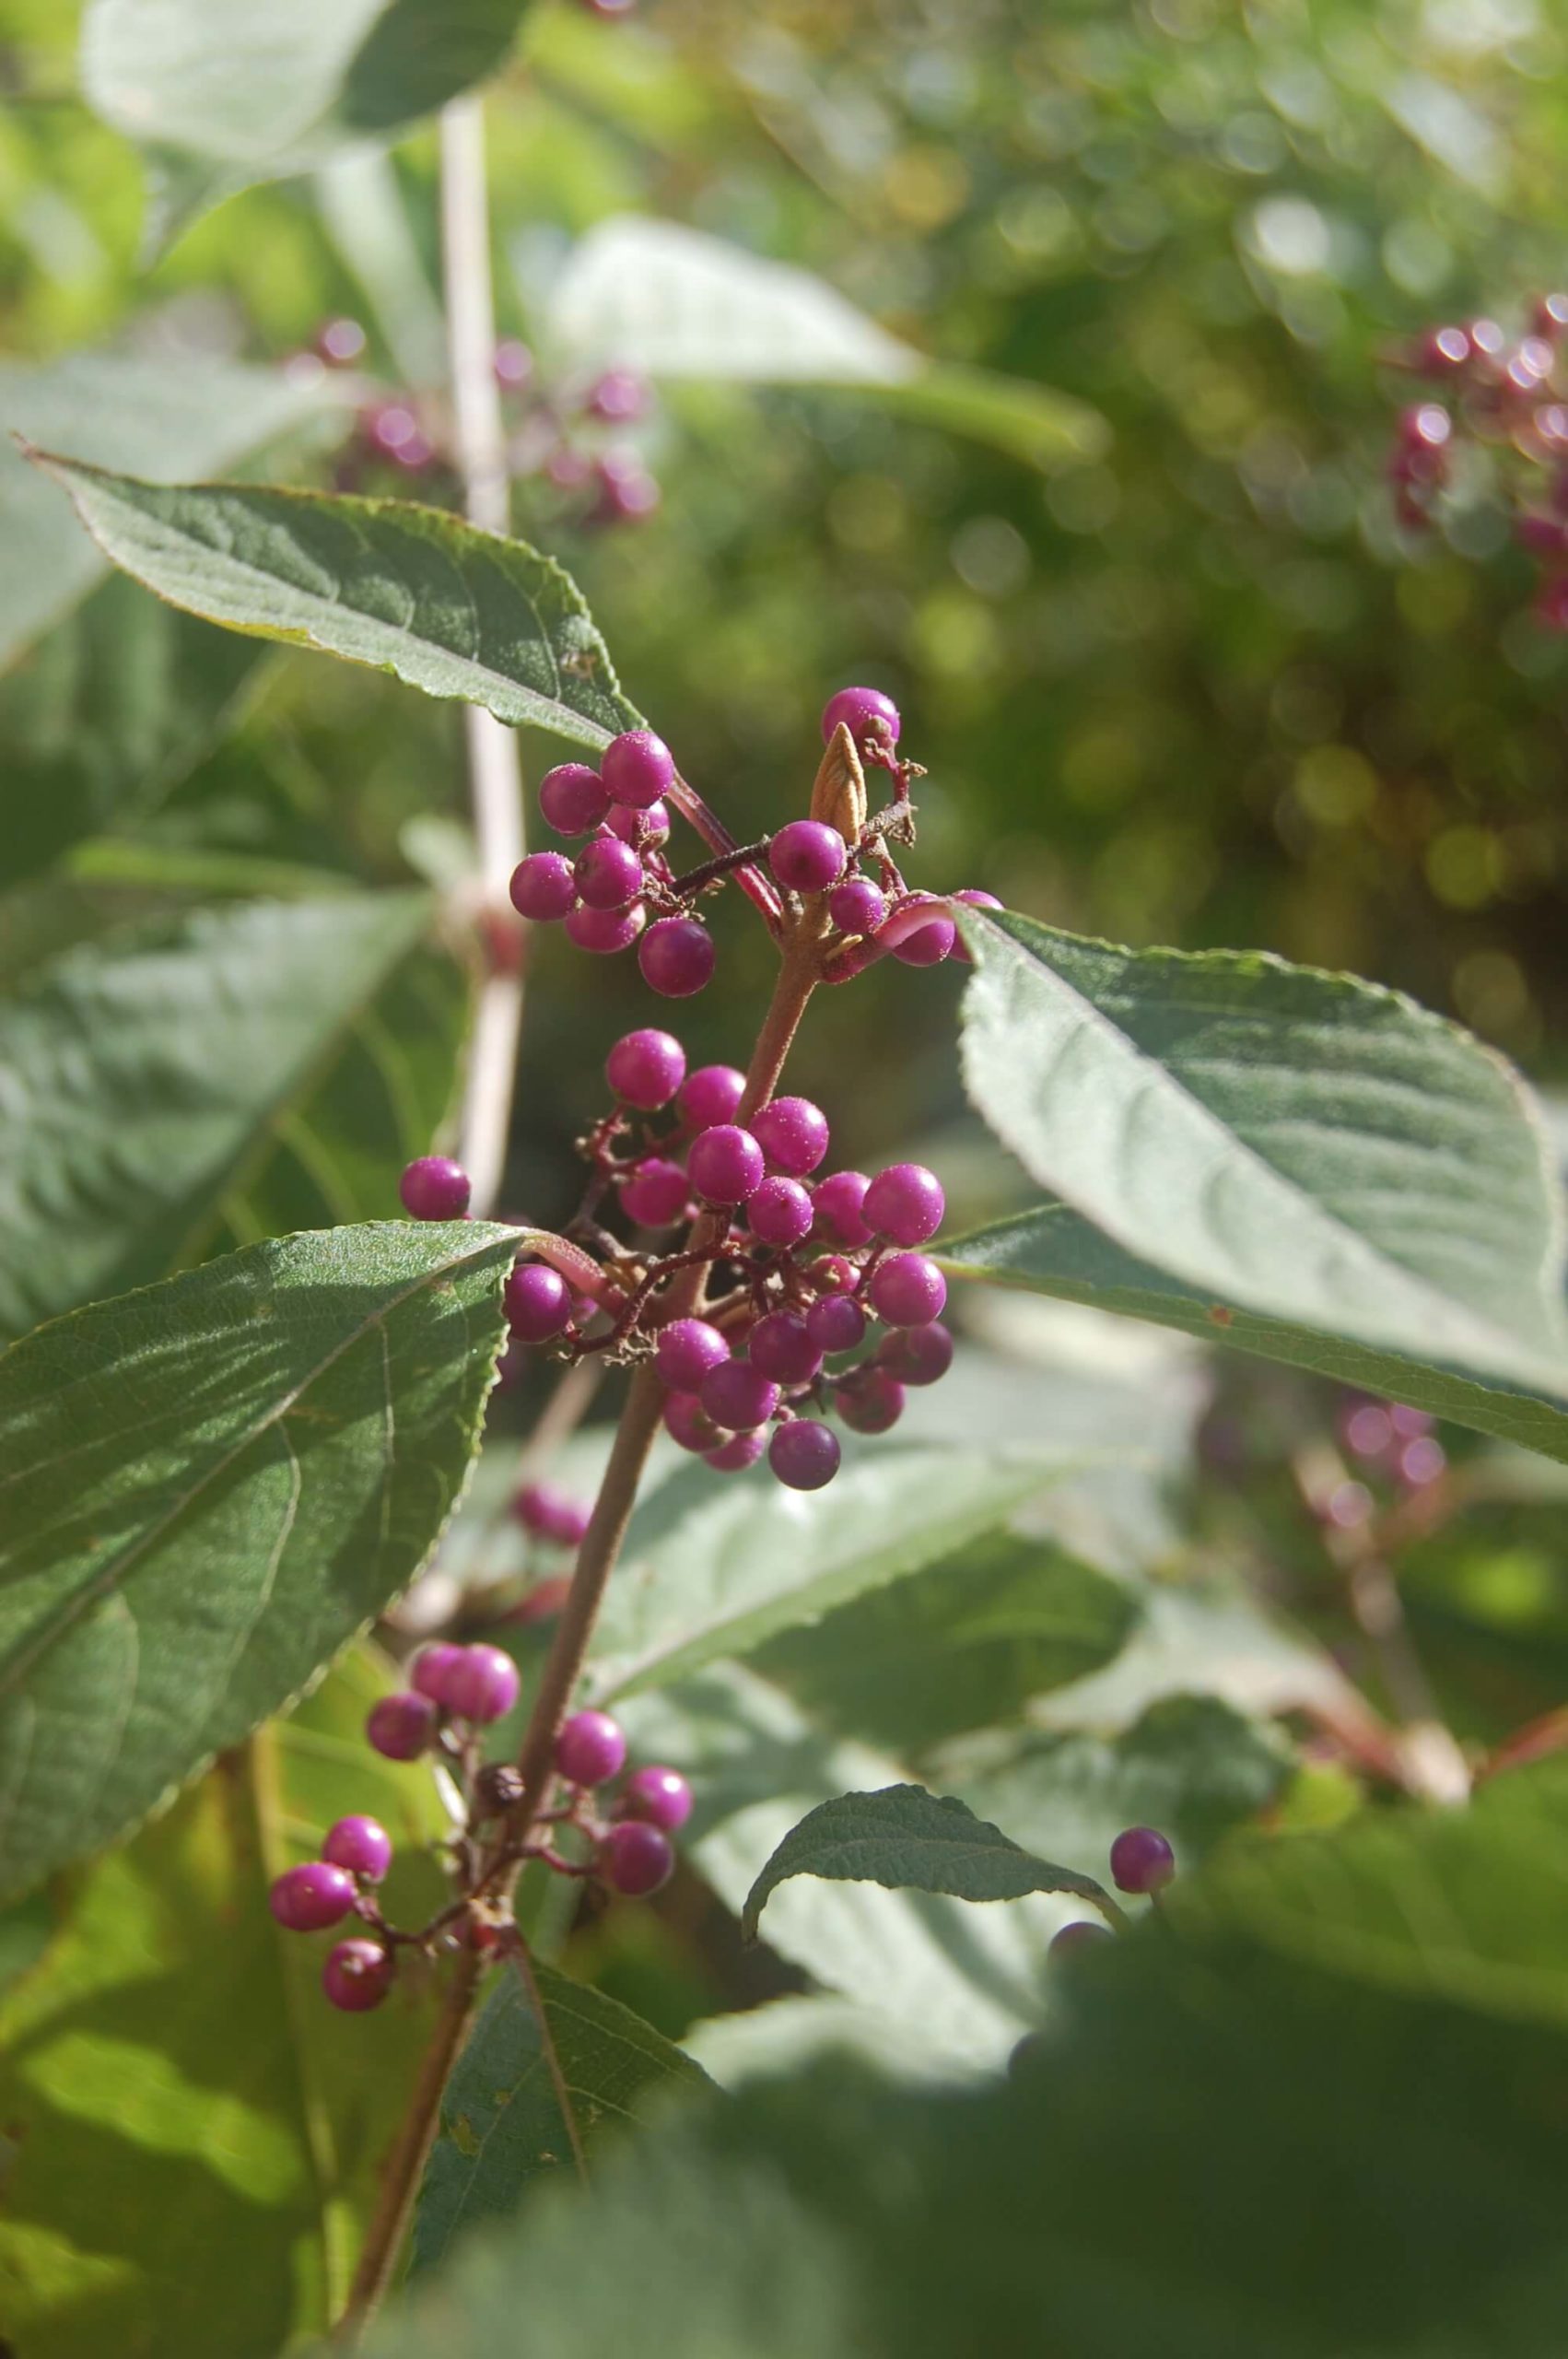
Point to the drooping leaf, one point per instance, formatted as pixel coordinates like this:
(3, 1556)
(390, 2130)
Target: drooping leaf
(149, 1078)
(501, 2127)
(406, 590)
(905, 1837)
(1292, 1144)
(168, 2172)
(208, 1487)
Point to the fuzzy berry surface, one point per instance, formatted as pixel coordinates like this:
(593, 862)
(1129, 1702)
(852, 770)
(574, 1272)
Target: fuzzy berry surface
(803, 1454)
(686, 1351)
(435, 1188)
(710, 1095)
(360, 1845)
(839, 1204)
(538, 1302)
(637, 768)
(636, 1858)
(688, 1424)
(646, 1068)
(782, 1346)
(308, 1898)
(590, 1749)
(401, 1727)
(432, 1668)
(869, 1403)
(605, 931)
(738, 1397)
(836, 1323)
(735, 1454)
(483, 1686)
(607, 873)
(780, 1213)
(870, 716)
(573, 798)
(917, 1354)
(659, 1795)
(807, 856)
(908, 1290)
(793, 1133)
(677, 958)
(857, 906)
(357, 1975)
(542, 888)
(654, 1194)
(725, 1163)
(905, 1203)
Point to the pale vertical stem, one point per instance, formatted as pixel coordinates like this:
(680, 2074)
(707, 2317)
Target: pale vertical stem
(495, 775)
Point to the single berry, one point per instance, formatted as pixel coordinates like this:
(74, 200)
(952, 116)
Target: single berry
(513, 363)
(688, 1424)
(838, 1206)
(573, 798)
(311, 1895)
(401, 1727)
(605, 931)
(677, 958)
(905, 1203)
(537, 1301)
(340, 341)
(627, 492)
(1142, 1860)
(807, 856)
(637, 768)
(836, 1323)
(830, 1273)
(645, 1069)
(647, 829)
(793, 1133)
(928, 944)
(360, 1845)
(908, 1291)
(869, 716)
(357, 1976)
(636, 1858)
(732, 1457)
(870, 1400)
(856, 906)
(805, 1455)
(1079, 1935)
(780, 1212)
(435, 1188)
(738, 1397)
(725, 1165)
(607, 873)
(431, 1669)
(780, 1345)
(975, 899)
(655, 1193)
(549, 1514)
(616, 396)
(483, 1686)
(710, 1095)
(659, 1795)
(917, 1354)
(590, 1749)
(542, 888)
(686, 1349)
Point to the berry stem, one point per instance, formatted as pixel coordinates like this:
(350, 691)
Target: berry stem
(757, 889)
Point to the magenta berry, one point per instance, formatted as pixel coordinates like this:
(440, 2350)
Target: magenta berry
(607, 873)
(856, 906)
(432, 1668)
(793, 1133)
(917, 1354)
(733, 1456)
(357, 1976)
(542, 888)
(908, 1291)
(647, 829)
(573, 798)
(928, 944)
(340, 341)
(686, 1349)
(605, 931)
(725, 1165)
(839, 1206)
(1081, 1935)
(636, 1858)
(738, 1397)
(830, 1273)
(538, 1302)
(483, 1686)
(807, 856)
(870, 717)
(836, 1323)
(550, 1515)
(975, 899)
(362, 1846)
(781, 1346)
(590, 1749)
(905, 1203)
(637, 768)
(688, 1424)
(805, 1455)
(710, 1095)
(659, 1795)
(677, 958)
(780, 1213)
(435, 1188)
(1142, 1860)
(655, 1194)
(401, 1727)
(311, 1895)
(870, 1400)
(513, 363)
(618, 395)
(646, 1068)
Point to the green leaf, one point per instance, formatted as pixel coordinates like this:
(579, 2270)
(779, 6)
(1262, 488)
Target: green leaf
(149, 1077)
(1293, 1143)
(210, 1485)
(903, 1837)
(501, 2126)
(406, 590)
(167, 2172)
(219, 95)
(155, 418)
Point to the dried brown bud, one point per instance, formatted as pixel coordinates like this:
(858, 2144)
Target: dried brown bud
(497, 1787)
(838, 798)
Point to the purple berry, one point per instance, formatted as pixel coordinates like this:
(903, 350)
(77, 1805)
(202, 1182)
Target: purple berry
(401, 1727)
(513, 363)
(807, 856)
(908, 1291)
(686, 1349)
(830, 1273)
(1142, 1860)
(635, 1858)
(627, 492)
(870, 1400)
(725, 1165)
(340, 341)
(793, 1133)
(646, 1068)
(647, 829)
(537, 1301)
(435, 1188)
(483, 1686)
(836, 1323)
(732, 1457)
(738, 1397)
(710, 1095)
(590, 1749)
(917, 1354)
(837, 1206)
(607, 873)
(637, 768)
(573, 798)
(928, 944)
(805, 1455)
(688, 1424)
(1081, 1935)
(866, 712)
(605, 931)
(780, 1213)
(549, 1515)
(976, 899)
(857, 906)
(314, 1895)
(655, 1193)
(616, 396)
(432, 1668)
(659, 1795)
(677, 958)
(542, 888)
(357, 1976)
(905, 1203)
(780, 1345)
(360, 1845)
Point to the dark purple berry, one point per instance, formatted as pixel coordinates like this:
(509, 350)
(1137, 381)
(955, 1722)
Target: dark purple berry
(431, 1669)
(645, 829)
(807, 856)
(637, 768)
(857, 906)
(357, 1976)
(542, 888)
(314, 1895)
(780, 1213)
(839, 1206)
(483, 1686)
(607, 873)
(725, 1165)
(780, 1345)
(793, 1133)
(659, 1795)
(401, 1727)
(1142, 1860)
(905, 1203)
(590, 1749)
(605, 931)
(836, 1323)
(870, 1400)
(635, 1858)
(917, 1354)
(573, 798)
(435, 1188)
(1079, 1935)
(537, 1301)
(677, 958)
(733, 1456)
(869, 716)
(646, 1068)
(686, 1351)
(655, 1193)
(688, 1424)
(908, 1291)
(805, 1455)
(362, 1846)
(738, 1397)
(710, 1095)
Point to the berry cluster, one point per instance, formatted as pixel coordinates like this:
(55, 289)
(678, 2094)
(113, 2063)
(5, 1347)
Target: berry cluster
(1396, 1449)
